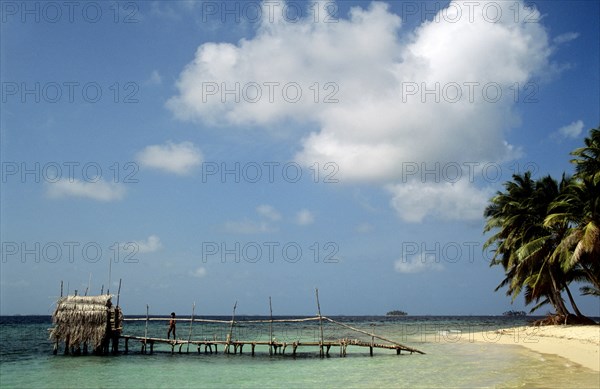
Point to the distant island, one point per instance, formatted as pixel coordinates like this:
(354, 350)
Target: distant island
(396, 313)
(514, 313)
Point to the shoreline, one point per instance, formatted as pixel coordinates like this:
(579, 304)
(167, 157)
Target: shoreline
(578, 343)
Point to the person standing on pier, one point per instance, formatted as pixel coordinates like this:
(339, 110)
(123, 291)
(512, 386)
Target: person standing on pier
(171, 326)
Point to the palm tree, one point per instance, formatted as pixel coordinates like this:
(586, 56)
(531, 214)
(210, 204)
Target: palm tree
(579, 208)
(587, 163)
(523, 245)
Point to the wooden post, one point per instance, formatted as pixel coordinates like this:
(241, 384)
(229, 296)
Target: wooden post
(119, 292)
(61, 288)
(146, 331)
(89, 284)
(372, 339)
(230, 330)
(191, 322)
(320, 323)
(271, 328)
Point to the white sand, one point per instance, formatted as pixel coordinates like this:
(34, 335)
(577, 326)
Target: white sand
(579, 344)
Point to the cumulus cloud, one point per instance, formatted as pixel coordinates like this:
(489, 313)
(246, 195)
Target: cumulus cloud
(571, 131)
(305, 217)
(566, 37)
(248, 227)
(440, 93)
(448, 201)
(99, 190)
(417, 264)
(266, 223)
(154, 79)
(268, 212)
(149, 245)
(178, 158)
(198, 272)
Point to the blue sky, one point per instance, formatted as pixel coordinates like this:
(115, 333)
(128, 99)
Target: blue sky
(220, 152)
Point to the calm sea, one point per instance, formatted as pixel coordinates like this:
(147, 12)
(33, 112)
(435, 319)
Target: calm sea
(26, 359)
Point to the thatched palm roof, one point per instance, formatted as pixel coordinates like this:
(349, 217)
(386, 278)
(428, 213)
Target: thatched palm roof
(79, 319)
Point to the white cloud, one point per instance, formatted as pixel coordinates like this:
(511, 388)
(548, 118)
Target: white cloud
(199, 272)
(268, 215)
(566, 37)
(305, 217)
(572, 131)
(448, 201)
(417, 264)
(380, 120)
(364, 228)
(178, 158)
(99, 190)
(248, 227)
(155, 78)
(150, 245)
(268, 212)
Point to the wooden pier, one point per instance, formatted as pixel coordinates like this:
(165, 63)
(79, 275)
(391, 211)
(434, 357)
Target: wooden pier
(230, 346)
(79, 312)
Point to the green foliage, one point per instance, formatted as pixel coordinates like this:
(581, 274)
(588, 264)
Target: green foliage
(396, 313)
(547, 233)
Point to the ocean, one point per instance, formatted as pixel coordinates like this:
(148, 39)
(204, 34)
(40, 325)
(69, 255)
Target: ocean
(451, 359)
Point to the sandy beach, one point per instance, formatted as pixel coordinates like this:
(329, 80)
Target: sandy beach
(579, 344)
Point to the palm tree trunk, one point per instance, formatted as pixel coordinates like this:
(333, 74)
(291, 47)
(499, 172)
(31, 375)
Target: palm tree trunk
(560, 304)
(577, 312)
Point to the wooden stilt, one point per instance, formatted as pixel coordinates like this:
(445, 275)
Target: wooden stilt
(147, 317)
(230, 330)
(271, 328)
(320, 323)
(253, 346)
(191, 322)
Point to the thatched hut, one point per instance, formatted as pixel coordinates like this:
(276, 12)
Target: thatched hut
(86, 320)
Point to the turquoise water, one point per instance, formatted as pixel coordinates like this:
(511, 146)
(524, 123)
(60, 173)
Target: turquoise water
(451, 360)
